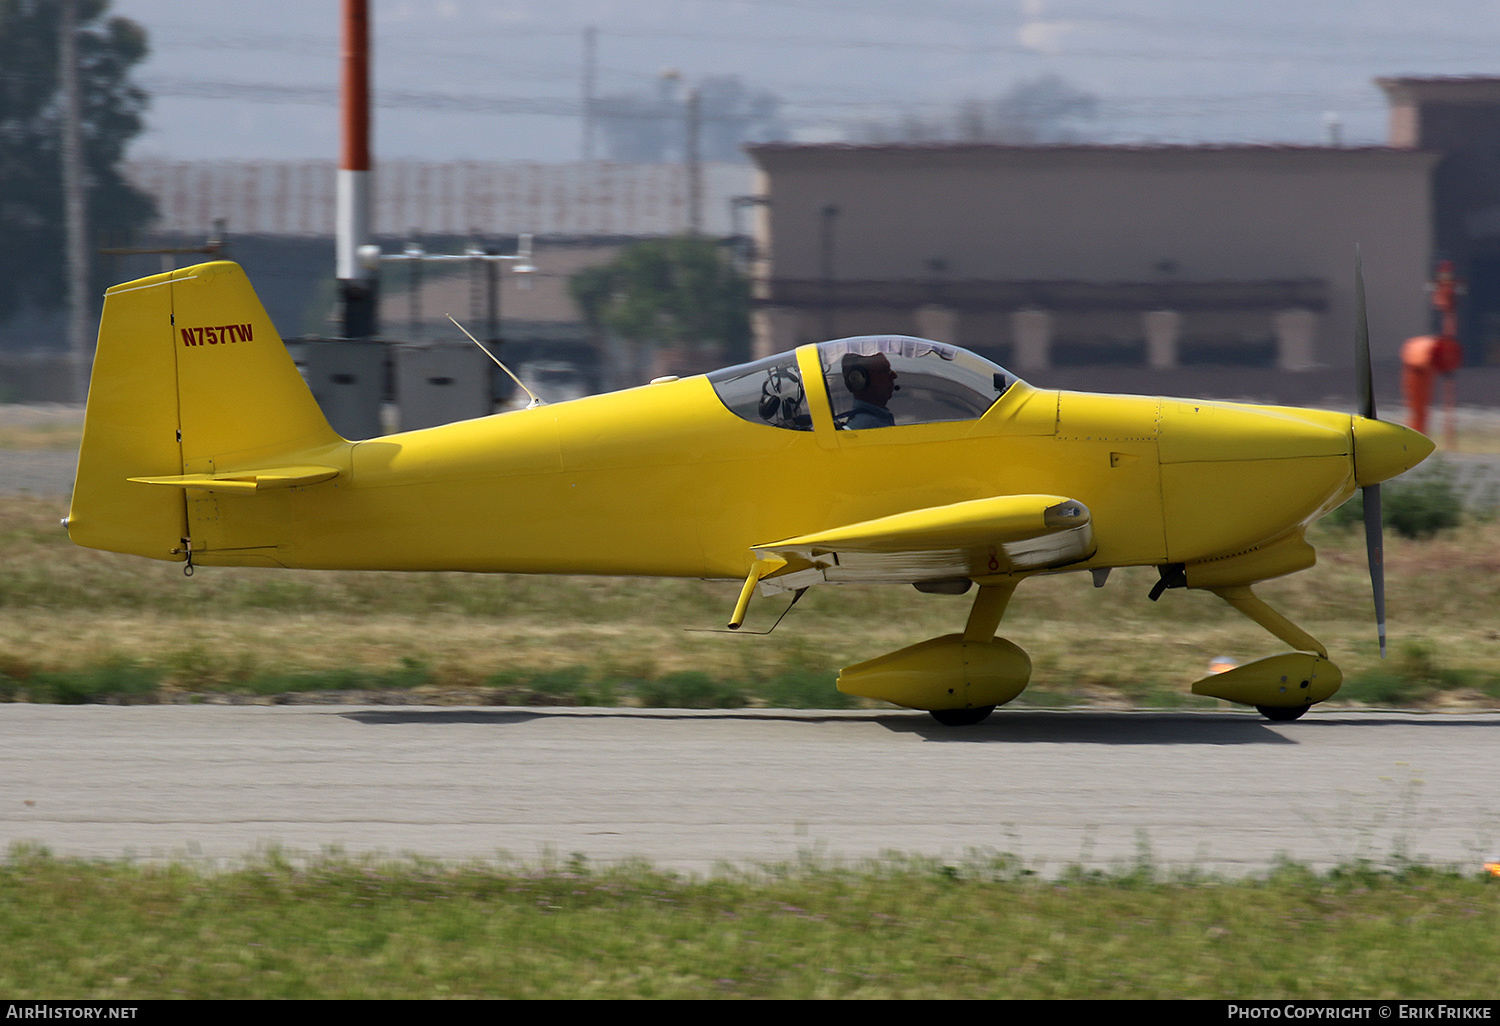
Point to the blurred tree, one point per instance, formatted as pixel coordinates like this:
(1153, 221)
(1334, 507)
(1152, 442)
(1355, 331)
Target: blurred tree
(682, 291)
(31, 192)
(1043, 110)
(652, 127)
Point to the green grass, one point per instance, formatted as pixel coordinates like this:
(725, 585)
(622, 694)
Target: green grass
(905, 928)
(126, 682)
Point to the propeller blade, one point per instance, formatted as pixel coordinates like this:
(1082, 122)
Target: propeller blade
(1370, 494)
(1375, 553)
(1362, 343)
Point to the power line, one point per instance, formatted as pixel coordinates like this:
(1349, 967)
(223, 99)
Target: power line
(327, 96)
(1480, 50)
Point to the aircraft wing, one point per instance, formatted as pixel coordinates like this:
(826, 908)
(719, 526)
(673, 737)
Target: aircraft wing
(999, 535)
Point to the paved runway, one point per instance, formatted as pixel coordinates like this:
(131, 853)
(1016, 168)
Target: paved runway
(1225, 792)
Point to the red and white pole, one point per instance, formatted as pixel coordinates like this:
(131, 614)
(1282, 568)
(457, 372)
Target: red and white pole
(75, 203)
(357, 277)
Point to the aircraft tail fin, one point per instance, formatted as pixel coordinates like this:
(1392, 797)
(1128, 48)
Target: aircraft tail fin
(190, 378)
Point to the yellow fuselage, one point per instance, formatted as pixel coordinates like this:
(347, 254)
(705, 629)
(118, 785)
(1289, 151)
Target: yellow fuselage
(663, 480)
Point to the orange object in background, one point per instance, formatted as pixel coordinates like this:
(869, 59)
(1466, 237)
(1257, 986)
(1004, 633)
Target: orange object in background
(1426, 356)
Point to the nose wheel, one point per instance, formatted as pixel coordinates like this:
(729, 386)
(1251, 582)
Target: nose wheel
(962, 717)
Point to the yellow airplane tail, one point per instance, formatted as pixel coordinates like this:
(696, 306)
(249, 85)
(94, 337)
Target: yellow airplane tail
(191, 383)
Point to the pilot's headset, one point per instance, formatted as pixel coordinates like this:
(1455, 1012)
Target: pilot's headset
(856, 370)
(781, 395)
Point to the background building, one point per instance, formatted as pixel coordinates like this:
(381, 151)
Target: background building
(1460, 119)
(1190, 269)
(1154, 256)
(1137, 261)
(277, 220)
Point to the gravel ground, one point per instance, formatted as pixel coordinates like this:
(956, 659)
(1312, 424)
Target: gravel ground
(29, 414)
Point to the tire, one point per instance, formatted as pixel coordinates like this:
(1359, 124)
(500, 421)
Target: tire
(1281, 713)
(962, 717)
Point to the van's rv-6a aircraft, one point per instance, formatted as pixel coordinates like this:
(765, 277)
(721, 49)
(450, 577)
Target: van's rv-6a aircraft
(883, 459)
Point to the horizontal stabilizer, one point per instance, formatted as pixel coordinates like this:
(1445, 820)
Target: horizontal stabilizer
(245, 480)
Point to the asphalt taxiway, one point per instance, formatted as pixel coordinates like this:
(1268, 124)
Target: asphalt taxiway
(1219, 792)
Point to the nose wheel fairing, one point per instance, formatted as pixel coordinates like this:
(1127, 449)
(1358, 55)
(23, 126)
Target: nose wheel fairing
(1293, 680)
(1280, 686)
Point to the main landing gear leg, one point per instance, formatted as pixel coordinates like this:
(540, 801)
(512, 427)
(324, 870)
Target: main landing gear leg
(959, 678)
(984, 620)
(988, 610)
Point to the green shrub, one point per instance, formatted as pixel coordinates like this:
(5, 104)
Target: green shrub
(1424, 502)
(1348, 516)
(272, 682)
(804, 689)
(1381, 687)
(574, 684)
(566, 681)
(690, 689)
(568, 685)
(1414, 674)
(1418, 504)
(117, 679)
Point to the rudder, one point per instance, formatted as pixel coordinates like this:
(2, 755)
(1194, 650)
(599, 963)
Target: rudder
(190, 377)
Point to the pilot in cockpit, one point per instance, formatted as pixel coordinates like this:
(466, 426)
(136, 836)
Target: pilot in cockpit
(872, 382)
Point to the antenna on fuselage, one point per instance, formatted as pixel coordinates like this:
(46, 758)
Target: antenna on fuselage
(534, 400)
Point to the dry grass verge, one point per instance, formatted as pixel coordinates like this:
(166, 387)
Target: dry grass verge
(71, 611)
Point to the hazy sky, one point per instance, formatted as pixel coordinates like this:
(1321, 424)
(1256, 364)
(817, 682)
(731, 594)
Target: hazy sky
(502, 79)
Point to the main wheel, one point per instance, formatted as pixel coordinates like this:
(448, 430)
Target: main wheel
(962, 717)
(1282, 713)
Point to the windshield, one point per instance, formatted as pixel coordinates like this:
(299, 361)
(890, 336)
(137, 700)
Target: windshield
(890, 380)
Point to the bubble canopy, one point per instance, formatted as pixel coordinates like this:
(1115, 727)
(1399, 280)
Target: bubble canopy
(872, 381)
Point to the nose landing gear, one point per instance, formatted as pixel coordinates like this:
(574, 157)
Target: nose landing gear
(1281, 687)
(962, 717)
(1281, 714)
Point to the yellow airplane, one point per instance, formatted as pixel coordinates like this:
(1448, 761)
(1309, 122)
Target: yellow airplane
(875, 459)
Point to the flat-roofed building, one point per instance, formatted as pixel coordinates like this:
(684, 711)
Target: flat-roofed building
(1148, 255)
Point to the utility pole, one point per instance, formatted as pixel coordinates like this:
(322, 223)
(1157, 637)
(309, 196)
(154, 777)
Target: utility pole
(75, 207)
(830, 214)
(590, 58)
(694, 165)
(358, 286)
(691, 165)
